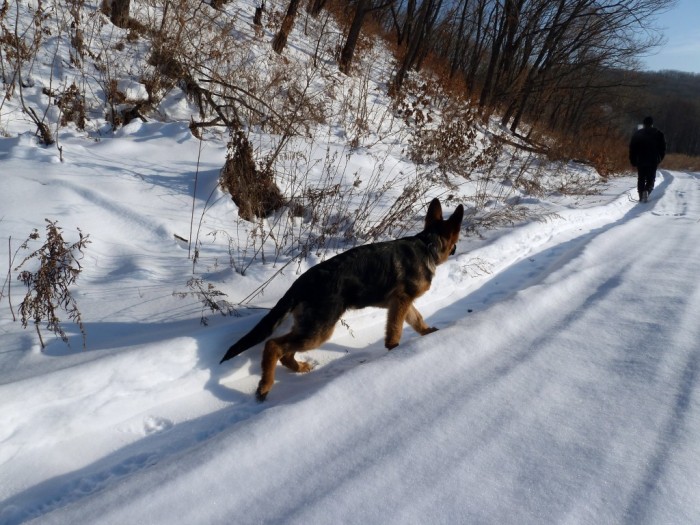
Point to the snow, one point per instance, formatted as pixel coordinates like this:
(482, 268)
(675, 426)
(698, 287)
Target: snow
(562, 387)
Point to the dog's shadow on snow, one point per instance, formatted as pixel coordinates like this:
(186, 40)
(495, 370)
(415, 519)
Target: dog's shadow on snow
(240, 375)
(233, 383)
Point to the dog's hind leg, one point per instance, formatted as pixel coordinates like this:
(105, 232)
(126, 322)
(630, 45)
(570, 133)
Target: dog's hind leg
(271, 354)
(283, 349)
(415, 320)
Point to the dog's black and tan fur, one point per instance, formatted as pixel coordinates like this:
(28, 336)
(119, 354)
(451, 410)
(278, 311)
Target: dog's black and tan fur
(389, 274)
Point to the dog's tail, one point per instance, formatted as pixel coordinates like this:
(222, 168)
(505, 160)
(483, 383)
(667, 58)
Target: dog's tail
(263, 329)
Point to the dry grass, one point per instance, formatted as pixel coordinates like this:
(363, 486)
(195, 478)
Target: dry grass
(680, 162)
(48, 291)
(607, 154)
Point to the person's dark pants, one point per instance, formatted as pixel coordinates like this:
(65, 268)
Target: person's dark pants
(646, 176)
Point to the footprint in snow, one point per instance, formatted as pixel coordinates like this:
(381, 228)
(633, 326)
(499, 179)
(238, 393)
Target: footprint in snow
(155, 425)
(146, 426)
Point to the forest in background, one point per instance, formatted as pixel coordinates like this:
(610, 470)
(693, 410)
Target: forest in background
(561, 76)
(565, 70)
(673, 98)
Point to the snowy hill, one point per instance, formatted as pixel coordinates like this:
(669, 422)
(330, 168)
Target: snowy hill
(562, 386)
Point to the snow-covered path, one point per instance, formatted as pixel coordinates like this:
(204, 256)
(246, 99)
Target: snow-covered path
(562, 388)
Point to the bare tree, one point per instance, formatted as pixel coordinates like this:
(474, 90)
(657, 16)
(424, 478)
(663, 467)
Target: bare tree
(529, 57)
(280, 40)
(417, 39)
(257, 17)
(119, 12)
(408, 14)
(362, 9)
(314, 7)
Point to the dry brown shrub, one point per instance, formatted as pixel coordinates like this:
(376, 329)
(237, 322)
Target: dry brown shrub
(72, 105)
(681, 162)
(444, 126)
(253, 191)
(48, 287)
(608, 154)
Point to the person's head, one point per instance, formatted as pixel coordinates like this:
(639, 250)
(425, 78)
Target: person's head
(648, 122)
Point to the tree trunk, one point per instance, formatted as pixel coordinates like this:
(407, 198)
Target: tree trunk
(457, 55)
(410, 14)
(477, 49)
(257, 18)
(314, 7)
(485, 98)
(119, 12)
(280, 41)
(417, 47)
(348, 51)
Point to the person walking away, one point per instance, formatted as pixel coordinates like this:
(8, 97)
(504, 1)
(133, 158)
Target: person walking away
(647, 150)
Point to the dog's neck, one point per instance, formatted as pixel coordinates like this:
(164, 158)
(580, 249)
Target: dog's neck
(433, 243)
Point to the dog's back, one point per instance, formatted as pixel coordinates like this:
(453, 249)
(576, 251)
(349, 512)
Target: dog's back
(368, 275)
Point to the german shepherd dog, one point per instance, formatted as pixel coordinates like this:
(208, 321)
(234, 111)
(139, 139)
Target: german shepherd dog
(388, 274)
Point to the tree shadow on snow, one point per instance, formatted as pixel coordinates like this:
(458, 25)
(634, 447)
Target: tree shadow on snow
(233, 382)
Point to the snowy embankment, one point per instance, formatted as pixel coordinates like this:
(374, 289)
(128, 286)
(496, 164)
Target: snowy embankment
(562, 386)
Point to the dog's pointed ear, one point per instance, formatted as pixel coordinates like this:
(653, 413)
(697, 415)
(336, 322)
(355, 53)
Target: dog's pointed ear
(456, 218)
(434, 215)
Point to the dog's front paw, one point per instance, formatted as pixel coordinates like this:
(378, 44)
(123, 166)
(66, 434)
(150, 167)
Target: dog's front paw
(390, 346)
(430, 330)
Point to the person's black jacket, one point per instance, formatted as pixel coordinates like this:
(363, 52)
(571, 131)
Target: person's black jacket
(647, 147)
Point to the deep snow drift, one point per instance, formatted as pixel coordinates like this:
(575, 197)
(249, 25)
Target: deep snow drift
(561, 387)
